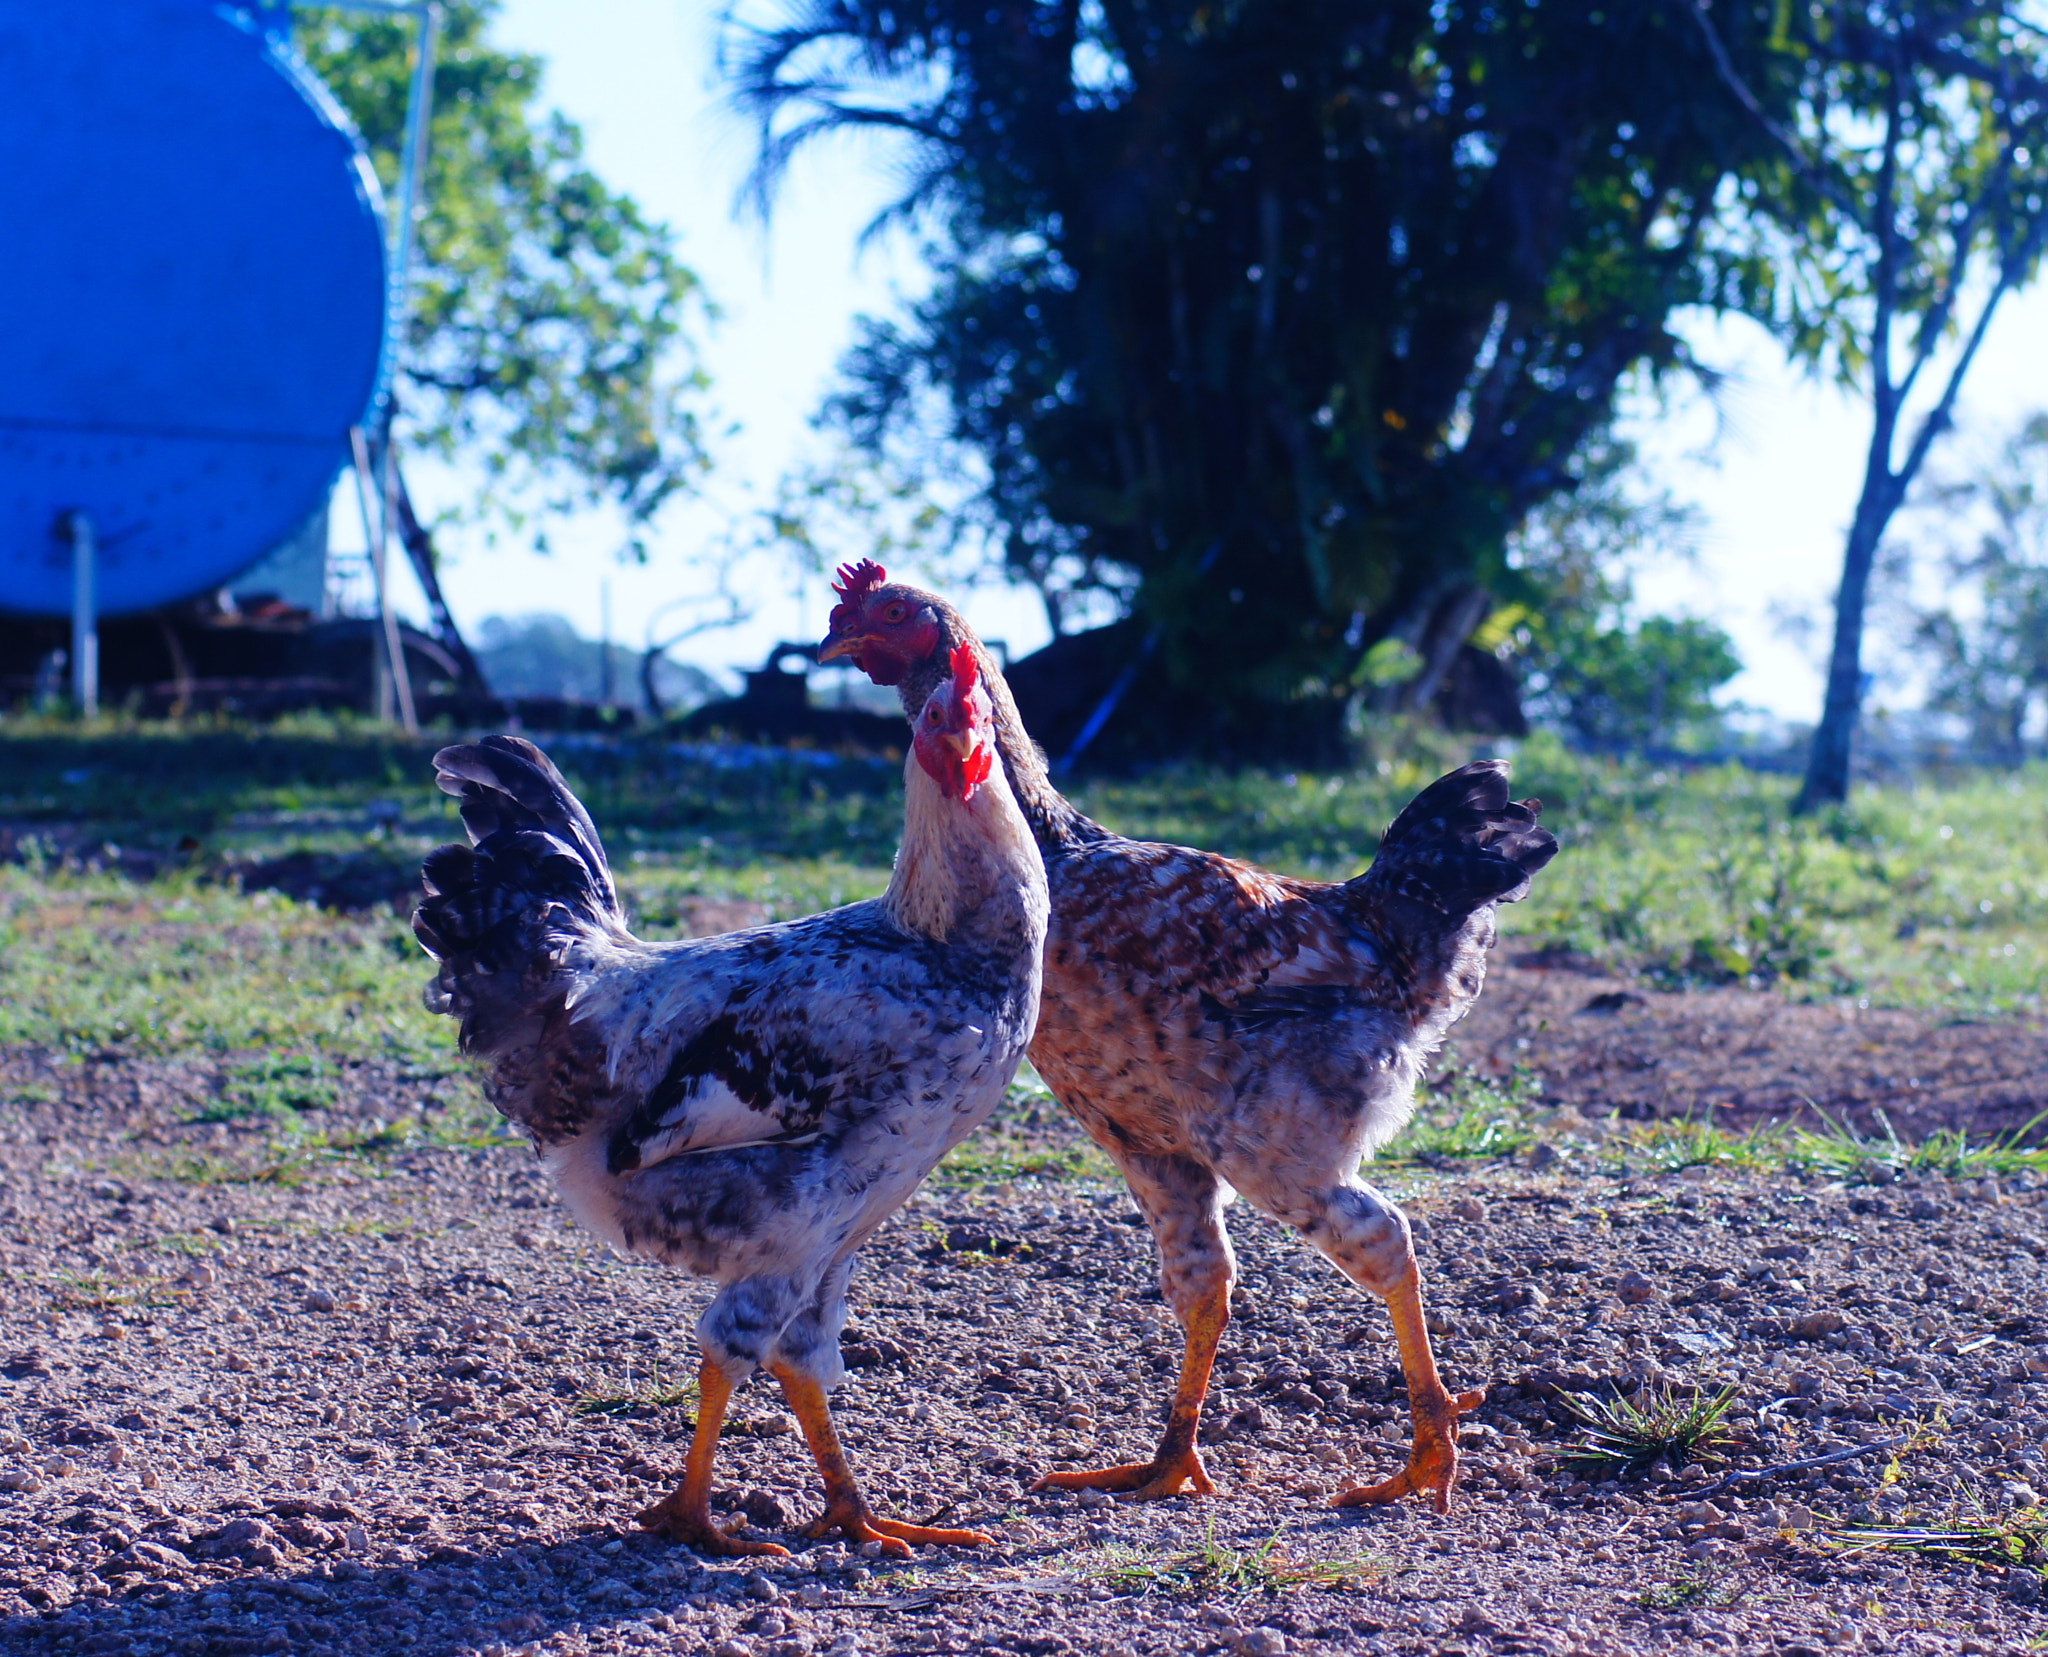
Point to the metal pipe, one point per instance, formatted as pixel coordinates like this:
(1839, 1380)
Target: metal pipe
(390, 682)
(412, 158)
(85, 629)
(394, 643)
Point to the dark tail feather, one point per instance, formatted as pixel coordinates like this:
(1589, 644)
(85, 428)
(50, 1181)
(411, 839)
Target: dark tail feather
(1462, 844)
(499, 913)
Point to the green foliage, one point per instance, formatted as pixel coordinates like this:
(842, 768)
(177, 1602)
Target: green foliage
(1986, 646)
(1621, 1434)
(548, 337)
(1589, 663)
(1461, 1116)
(1915, 171)
(1977, 1533)
(274, 1085)
(1281, 315)
(92, 962)
(1216, 1568)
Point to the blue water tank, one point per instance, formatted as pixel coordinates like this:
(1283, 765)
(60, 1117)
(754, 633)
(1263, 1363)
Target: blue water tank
(192, 292)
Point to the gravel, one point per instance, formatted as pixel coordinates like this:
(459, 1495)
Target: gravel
(403, 1406)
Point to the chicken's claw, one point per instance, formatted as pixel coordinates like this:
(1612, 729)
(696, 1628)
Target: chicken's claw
(673, 1518)
(1432, 1460)
(854, 1522)
(1145, 1481)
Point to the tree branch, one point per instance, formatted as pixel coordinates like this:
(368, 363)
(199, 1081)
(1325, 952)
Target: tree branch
(1807, 168)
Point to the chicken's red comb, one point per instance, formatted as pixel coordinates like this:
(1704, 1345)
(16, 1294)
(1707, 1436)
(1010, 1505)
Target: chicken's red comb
(858, 580)
(966, 670)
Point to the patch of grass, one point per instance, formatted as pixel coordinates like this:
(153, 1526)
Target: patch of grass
(1926, 894)
(292, 1155)
(1620, 1434)
(1833, 1152)
(189, 1243)
(92, 962)
(655, 1395)
(1030, 1136)
(1691, 1590)
(274, 1085)
(100, 1291)
(1465, 1117)
(1974, 1534)
(1215, 1568)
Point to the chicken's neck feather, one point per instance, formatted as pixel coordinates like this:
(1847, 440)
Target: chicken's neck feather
(968, 865)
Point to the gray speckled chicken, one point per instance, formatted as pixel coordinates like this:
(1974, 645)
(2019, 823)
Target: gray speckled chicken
(748, 1107)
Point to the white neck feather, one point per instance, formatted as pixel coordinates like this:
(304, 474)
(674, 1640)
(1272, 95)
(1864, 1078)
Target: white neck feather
(955, 856)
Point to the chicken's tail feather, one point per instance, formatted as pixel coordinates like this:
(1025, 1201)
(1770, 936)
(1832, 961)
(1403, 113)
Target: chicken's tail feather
(1462, 844)
(504, 914)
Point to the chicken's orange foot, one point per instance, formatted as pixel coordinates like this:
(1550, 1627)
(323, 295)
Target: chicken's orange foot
(1432, 1459)
(678, 1519)
(1146, 1481)
(855, 1522)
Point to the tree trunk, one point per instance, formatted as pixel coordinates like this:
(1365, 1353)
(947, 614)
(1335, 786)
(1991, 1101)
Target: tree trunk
(1827, 764)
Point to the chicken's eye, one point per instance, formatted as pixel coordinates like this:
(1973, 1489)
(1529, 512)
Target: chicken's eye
(895, 614)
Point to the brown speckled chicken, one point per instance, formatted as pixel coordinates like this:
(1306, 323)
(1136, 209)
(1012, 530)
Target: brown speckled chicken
(1217, 1028)
(747, 1107)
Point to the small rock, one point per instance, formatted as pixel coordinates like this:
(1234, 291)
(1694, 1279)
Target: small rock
(1545, 1155)
(762, 1507)
(319, 1300)
(22, 1479)
(1815, 1326)
(157, 1556)
(774, 1426)
(732, 1648)
(1469, 1209)
(1261, 1642)
(758, 1587)
(1634, 1289)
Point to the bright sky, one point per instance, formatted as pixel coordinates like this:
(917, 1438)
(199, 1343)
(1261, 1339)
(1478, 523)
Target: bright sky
(1775, 470)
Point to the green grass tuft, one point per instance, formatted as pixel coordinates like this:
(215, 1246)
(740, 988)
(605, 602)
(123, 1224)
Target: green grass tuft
(1620, 1435)
(1214, 1568)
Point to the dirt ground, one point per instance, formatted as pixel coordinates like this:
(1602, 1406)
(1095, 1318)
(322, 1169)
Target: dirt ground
(402, 1406)
(1738, 1057)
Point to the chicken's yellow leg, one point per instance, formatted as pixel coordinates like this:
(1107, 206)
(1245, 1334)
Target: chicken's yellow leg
(1433, 1459)
(685, 1515)
(1177, 1461)
(846, 1510)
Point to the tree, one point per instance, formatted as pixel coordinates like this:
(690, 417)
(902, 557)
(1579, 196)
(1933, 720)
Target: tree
(1986, 648)
(1589, 662)
(1276, 318)
(1911, 191)
(548, 336)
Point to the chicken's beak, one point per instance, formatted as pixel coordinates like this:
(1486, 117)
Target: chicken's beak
(837, 645)
(961, 743)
